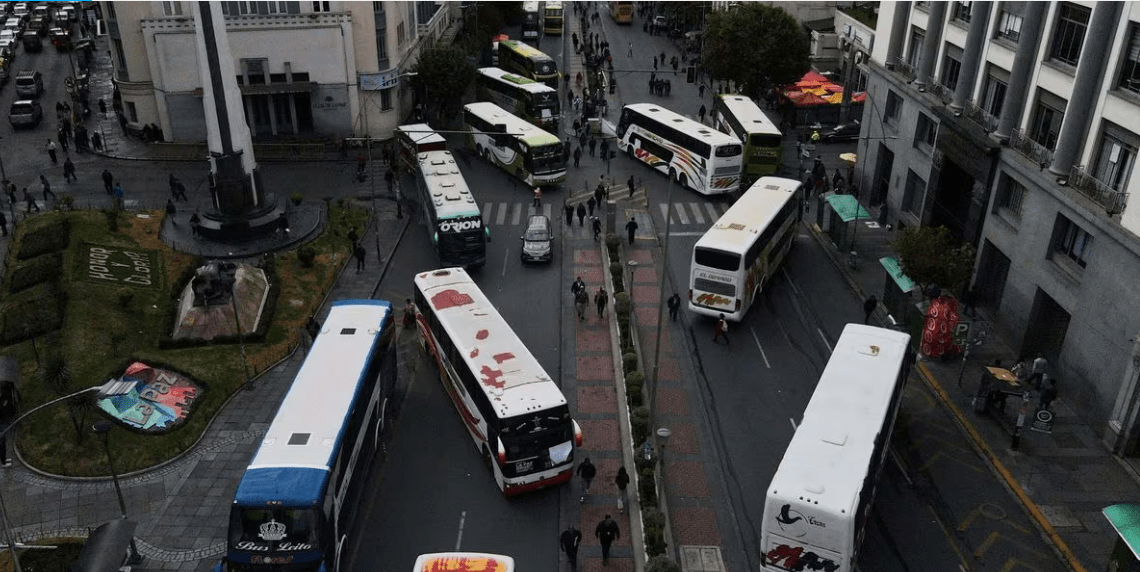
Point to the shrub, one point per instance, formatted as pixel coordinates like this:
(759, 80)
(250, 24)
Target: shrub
(662, 563)
(634, 384)
(46, 268)
(306, 255)
(654, 521)
(296, 198)
(613, 242)
(51, 237)
(629, 362)
(124, 296)
(37, 311)
(646, 490)
(65, 202)
(622, 304)
(639, 424)
(112, 216)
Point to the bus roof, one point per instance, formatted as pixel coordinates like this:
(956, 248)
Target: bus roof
(682, 123)
(750, 116)
(450, 195)
(523, 83)
(530, 134)
(525, 50)
(530, 6)
(745, 220)
(420, 134)
(553, 4)
(464, 562)
(509, 374)
(832, 447)
(292, 464)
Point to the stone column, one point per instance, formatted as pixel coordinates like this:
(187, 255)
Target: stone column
(898, 33)
(972, 59)
(1024, 61)
(934, 24)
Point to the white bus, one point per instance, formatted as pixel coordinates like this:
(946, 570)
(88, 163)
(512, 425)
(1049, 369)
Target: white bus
(457, 229)
(524, 150)
(413, 139)
(513, 410)
(533, 101)
(695, 155)
(464, 562)
(740, 253)
(817, 506)
(532, 20)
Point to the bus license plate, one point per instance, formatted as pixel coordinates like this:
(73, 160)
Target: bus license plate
(522, 466)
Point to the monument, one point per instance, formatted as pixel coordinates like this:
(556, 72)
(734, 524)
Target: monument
(221, 296)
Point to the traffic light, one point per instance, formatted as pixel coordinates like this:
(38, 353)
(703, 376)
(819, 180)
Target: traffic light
(690, 74)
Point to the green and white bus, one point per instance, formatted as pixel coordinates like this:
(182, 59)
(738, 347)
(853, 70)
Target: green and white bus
(763, 143)
(535, 102)
(552, 17)
(529, 153)
(517, 57)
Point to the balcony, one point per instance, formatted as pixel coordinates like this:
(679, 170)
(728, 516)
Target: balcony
(940, 91)
(905, 69)
(1032, 150)
(980, 116)
(1112, 200)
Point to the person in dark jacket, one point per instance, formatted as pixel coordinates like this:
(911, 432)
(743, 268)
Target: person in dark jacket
(587, 471)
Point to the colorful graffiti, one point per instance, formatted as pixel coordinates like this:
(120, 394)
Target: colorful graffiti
(158, 402)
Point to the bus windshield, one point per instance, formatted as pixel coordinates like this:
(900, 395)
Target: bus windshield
(765, 140)
(269, 530)
(535, 433)
(457, 243)
(728, 151)
(718, 259)
(547, 102)
(546, 159)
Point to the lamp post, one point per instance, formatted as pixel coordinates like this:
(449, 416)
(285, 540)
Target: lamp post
(863, 168)
(663, 434)
(661, 305)
(103, 427)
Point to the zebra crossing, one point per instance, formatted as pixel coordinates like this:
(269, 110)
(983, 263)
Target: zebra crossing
(692, 215)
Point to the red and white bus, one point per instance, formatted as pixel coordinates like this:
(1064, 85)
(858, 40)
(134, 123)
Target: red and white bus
(513, 410)
(464, 562)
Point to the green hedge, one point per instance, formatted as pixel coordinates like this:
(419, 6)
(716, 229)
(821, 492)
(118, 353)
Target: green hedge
(634, 384)
(44, 268)
(33, 312)
(52, 237)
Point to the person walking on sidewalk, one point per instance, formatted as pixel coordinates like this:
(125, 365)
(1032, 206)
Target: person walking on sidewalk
(597, 224)
(630, 183)
(1038, 371)
(622, 481)
(577, 286)
(581, 215)
(674, 306)
(593, 145)
(569, 214)
(570, 540)
(631, 229)
(701, 113)
(119, 194)
(577, 156)
(581, 300)
(721, 331)
(359, 253)
(46, 186)
(869, 306)
(1048, 394)
(600, 193)
(537, 198)
(590, 204)
(30, 201)
(607, 532)
(51, 151)
(587, 471)
(69, 170)
(108, 181)
(600, 300)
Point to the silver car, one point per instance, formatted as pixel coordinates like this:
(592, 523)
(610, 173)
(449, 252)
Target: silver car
(538, 240)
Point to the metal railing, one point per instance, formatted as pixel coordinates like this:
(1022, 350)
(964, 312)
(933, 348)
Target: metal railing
(940, 91)
(1032, 150)
(1111, 199)
(905, 68)
(980, 116)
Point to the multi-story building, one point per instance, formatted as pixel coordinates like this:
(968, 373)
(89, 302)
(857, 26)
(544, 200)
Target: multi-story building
(307, 70)
(1016, 126)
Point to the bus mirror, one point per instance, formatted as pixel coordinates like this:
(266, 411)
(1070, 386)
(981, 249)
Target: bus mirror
(691, 75)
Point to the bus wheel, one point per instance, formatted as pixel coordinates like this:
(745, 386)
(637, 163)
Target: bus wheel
(479, 151)
(682, 179)
(673, 174)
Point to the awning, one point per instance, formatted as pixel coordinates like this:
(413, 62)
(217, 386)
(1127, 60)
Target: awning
(1125, 518)
(895, 271)
(295, 87)
(846, 206)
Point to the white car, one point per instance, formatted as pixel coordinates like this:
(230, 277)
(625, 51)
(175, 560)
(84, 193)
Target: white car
(8, 39)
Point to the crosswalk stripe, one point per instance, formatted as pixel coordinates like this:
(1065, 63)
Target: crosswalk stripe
(502, 215)
(697, 216)
(487, 210)
(713, 215)
(681, 213)
(546, 210)
(516, 216)
(664, 211)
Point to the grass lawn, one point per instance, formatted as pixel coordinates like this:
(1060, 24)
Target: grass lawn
(106, 327)
(59, 559)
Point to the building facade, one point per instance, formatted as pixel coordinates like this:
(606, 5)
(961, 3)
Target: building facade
(306, 70)
(1015, 125)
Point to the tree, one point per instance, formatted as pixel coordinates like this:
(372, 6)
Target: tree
(56, 375)
(930, 256)
(756, 45)
(442, 77)
(687, 15)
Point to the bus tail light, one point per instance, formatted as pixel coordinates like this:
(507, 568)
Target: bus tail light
(690, 294)
(577, 434)
(502, 454)
(738, 304)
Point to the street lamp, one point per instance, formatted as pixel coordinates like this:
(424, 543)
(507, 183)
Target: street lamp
(661, 306)
(663, 434)
(103, 427)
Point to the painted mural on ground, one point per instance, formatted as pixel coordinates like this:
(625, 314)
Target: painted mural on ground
(159, 401)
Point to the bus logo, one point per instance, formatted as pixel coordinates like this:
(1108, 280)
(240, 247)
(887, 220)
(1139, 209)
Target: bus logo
(461, 225)
(707, 299)
(791, 522)
(272, 531)
(796, 559)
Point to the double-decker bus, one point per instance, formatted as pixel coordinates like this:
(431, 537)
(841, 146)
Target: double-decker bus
(513, 410)
(457, 229)
(535, 102)
(695, 155)
(622, 11)
(817, 506)
(552, 17)
(517, 57)
(529, 153)
(763, 143)
(532, 20)
(297, 500)
(464, 562)
(736, 258)
(416, 138)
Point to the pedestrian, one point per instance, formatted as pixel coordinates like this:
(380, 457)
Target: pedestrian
(605, 150)
(30, 201)
(51, 151)
(600, 300)
(103, 107)
(607, 532)
(590, 204)
(597, 224)
(577, 285)
(62, 136)
(654, 63)
(593, 144)
(172, 181)
(869, 306)
(721, 331)
(587, 471)
(701, 113)
(537, 198)
(581, 300)
(9, 412)
(577, 156)
(581, 211)
(180, 191)
(622, 481)
(195, 224)
(390, 178)
(701, 90)
(837, 181)
(1038, 371)
(569, 214)
(108, 181)
(574, 38)
(119, 195)
(46, 186)
(10, 189)
(353, 237)
(674, 306)
(3, 223)
(1048, 394)
(599, 194)
(171, 211)
(97, 141)
(669, 85)
(69, 170)
(358, 252)
(570, 539)
(631, 229)
(630, 183)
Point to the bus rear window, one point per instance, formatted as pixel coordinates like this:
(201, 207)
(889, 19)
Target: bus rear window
(728, 151)
(760, 140)
(718, 259)
(274, 529)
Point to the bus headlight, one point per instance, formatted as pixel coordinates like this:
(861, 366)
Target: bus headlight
(577, 434)
(502, 453)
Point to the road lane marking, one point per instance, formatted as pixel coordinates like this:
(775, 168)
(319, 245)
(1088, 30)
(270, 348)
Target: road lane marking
(681, 213)
(762, 354)
(788, 277)
(459, 539)
(487, 207)
(686, 234)
(516, 216)
(793, 421)
(502, 214)
(697, 216)
(824, 338)
(713, 215)
(664, 211)
(506, 259)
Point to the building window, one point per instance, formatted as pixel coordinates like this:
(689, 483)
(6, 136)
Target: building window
(927, 131)
(386, 99)
(1116, 156)
(917, 38)
(400, 34)
(321, 7)
(914, 193)
(993, 95)
(1130, 71)
(1045, 125)
(300, 76)
(1009, 26)
(264, 8)
(254, 70)
(951, 67)
(893, 108)
(132, 112)
(962, 11)
(380, 17)
(1010, 194)
(1071, 241)
(172, 8)
(1072, 22)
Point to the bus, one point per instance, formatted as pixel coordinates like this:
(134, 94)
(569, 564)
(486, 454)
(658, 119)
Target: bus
(457, 229)
(817, 506)
(552, 20)
(464, 562)
(513, 410)
(763, 143)
(535, 102)
(622, 11)
(529, 153)
(517, 57)
(532, 20)
(416, 138)
(736, 258)
(295, 504)
(695, 155)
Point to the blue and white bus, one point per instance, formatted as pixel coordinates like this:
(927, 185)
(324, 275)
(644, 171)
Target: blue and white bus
(295, 505)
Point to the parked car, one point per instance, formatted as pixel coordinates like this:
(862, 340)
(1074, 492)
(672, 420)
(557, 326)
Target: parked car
(29, 84)
(25, 113)
(538, 240)
(32, 43)
(844, 132)
(7, 39)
